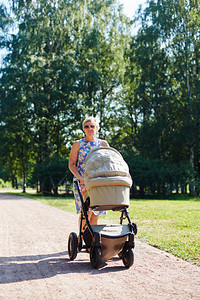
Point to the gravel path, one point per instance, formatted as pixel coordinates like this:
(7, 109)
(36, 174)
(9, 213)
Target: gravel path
(34, 263)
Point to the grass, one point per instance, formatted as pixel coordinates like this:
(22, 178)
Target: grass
(170, 225)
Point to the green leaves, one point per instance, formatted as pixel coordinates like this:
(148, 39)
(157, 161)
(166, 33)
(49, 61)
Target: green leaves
(68, 59)
(65, 61)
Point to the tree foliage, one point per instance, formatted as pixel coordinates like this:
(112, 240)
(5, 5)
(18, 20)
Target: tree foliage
(68, 59)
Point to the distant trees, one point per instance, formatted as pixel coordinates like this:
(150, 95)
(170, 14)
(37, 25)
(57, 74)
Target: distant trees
(67, 59)
(51, 173)
(161, 98)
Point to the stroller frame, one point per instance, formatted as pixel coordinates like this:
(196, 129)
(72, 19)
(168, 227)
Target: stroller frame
(75, 243)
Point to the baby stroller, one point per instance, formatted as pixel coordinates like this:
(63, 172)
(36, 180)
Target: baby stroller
(107, 183)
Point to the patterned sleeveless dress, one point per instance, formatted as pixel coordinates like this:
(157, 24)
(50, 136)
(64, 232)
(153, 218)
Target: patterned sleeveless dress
(84, 149)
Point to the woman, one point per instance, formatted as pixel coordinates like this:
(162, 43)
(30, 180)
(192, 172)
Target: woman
(78, 154)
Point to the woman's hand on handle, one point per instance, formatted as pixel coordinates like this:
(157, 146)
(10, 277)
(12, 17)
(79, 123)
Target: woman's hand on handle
(81, 180)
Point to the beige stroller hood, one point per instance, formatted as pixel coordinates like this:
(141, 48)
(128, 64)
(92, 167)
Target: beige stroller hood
(107, 179)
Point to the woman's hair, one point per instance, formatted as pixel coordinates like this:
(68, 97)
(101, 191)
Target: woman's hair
(92, 119)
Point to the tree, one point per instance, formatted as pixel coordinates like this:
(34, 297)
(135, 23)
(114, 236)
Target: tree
(51, 174)
(66, 60)
(178, 25)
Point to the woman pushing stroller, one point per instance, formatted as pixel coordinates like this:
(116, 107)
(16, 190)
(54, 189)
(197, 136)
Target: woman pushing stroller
(108, 189)
(78, 154)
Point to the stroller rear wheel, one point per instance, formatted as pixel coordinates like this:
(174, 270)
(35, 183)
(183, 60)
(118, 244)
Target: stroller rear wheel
(72, 245)
(135, 228)
(128, 258)
(95, 257)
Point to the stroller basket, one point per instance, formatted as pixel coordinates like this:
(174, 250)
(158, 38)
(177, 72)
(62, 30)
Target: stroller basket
(113, 238)
(107, 179)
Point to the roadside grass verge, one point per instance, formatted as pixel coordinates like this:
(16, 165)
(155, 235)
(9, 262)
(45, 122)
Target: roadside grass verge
(170, 225)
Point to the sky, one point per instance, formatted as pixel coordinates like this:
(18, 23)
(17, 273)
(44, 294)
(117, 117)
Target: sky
(130, 6)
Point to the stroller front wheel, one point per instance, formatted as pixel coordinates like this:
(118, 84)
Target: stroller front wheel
(80, 243)
(128, 258)
(72, 245)
(95, 257)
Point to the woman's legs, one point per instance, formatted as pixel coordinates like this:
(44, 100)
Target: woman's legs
(92, 218)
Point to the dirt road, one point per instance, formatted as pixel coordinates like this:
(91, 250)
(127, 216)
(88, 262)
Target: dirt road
(34, 263)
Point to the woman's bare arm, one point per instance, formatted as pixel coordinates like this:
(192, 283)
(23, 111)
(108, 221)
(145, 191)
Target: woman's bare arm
(73, 159)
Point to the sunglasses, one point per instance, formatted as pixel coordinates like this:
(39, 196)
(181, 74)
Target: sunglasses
(89, 126)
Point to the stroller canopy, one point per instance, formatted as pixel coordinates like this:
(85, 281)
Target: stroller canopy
(105, 166)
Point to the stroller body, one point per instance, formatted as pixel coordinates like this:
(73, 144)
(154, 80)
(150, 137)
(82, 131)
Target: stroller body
(107, 183)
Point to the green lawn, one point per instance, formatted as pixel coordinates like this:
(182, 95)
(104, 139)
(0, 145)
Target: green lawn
(171, 225)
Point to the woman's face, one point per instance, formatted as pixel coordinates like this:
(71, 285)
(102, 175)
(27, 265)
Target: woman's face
(90, 129)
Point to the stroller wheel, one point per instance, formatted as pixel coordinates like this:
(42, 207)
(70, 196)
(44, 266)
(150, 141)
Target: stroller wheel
(80, 243)
(72, 245)
(128, 258)
(135, 228)
(95, 257)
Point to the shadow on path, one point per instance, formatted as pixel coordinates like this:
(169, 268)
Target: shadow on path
(33, 267)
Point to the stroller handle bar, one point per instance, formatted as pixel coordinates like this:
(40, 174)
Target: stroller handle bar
(76, 181)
